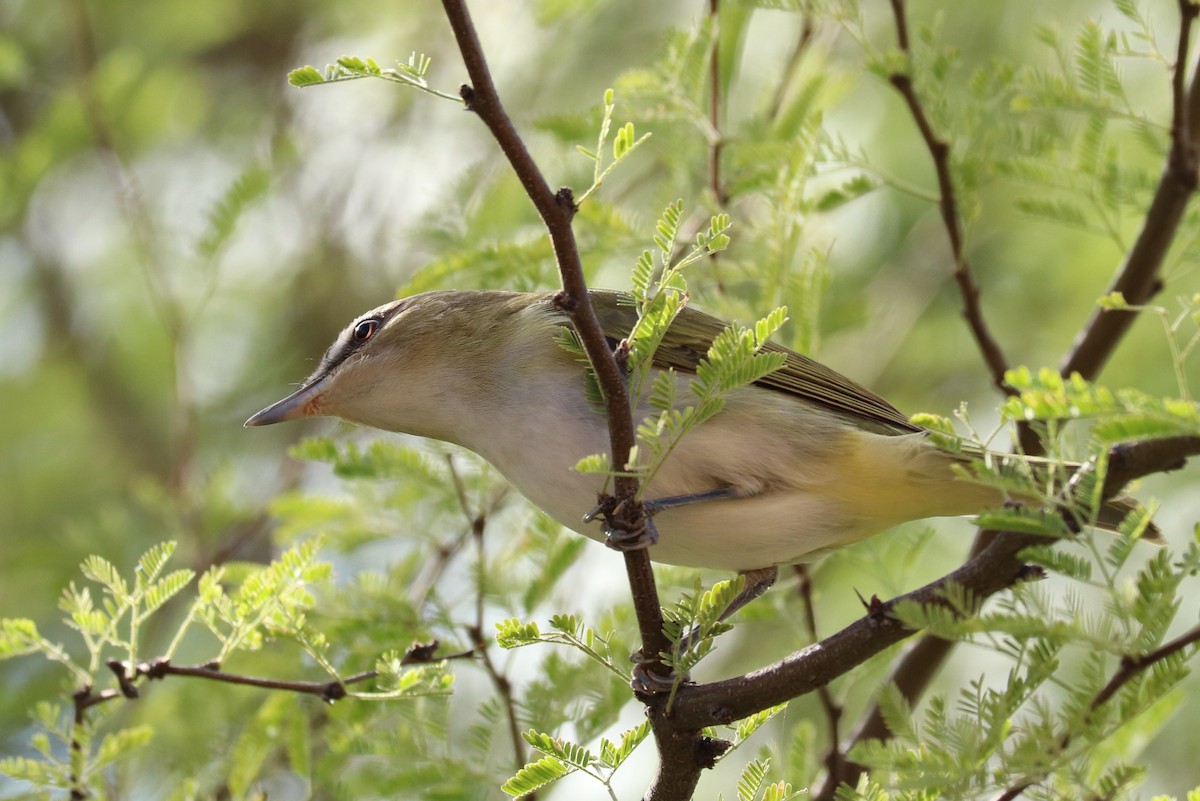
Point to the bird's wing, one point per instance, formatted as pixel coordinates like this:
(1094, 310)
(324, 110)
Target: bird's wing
(690, 336)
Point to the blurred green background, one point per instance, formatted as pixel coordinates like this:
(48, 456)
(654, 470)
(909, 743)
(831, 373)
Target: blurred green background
(143, 316)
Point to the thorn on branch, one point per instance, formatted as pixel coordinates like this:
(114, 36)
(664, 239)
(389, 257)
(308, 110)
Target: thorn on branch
(565, 198)
(1031, 573)
(155, 669)
(877, 610)
(565, 301)
(709, 750)
(124, 679)
(334, 691)
(420, 652)
(468, 96)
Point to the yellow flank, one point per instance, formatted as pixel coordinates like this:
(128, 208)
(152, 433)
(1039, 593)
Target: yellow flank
(885, 480)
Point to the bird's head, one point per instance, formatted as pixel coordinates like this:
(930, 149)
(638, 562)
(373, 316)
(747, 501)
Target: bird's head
(397, 367)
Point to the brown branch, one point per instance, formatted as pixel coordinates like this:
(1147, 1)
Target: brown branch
(994, 568)
(475, 631)
(818, 664)
(681, 754)
(939, 151)
(834, 761)
(714, 105)
(912, 674)
(1139, 278)
(921, 662)
(1131, 666)
(915, 669)
(556, 210)
(1130, 461)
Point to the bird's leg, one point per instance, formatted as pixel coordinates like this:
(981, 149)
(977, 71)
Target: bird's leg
(758, 581)
(675, 501)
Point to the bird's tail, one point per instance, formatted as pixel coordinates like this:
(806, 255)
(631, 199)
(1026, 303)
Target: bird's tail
(898, 478)
(1108, 517)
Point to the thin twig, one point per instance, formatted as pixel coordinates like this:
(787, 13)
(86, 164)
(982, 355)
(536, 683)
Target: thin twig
(475, 631)
(1096, 341)
(939, 151)
(1131, 666)
(916, 668)
(714, 105)
(834, 761)
(1139, 278)
(920, 663)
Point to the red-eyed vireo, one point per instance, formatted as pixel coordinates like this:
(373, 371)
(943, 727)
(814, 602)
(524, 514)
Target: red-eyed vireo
(797, 464)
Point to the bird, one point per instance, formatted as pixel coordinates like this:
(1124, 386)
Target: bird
(797, 464)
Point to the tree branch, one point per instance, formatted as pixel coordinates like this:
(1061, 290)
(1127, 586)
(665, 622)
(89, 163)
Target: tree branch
(557, 210)
(939, 151)
(1138, 281)
(1139, 278)
(681, 754)
(915, 669)
(1131, 666)
(475, 631)
(803, 40)
(818, 664)
(995, 568)
(714, 106)
(834, 762)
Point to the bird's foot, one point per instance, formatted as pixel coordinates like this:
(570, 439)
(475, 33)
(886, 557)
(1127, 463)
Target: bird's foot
(624, 531)
(642, 536)
(648, 677)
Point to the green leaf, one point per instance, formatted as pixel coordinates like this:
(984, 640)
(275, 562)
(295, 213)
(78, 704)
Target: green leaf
(1023, 520)
(162, 591)
(849, 191)
(103, 572)
(897, 714)
(512, 633)
(595, 464)
(751, 779)
(251, 185)
(36, 772)
(747, 726)
(305, 76)
(119, 744)
(18, 637)
(572, 754)
(614, 754)
(536, 775)
(255, 743)
(153, 560)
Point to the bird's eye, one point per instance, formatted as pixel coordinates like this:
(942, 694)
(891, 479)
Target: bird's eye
(365, 330)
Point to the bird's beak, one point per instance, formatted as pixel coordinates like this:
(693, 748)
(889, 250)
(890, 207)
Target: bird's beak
(304, 402)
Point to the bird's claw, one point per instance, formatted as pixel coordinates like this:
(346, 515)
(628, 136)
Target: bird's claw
(646, 680)
(621, 533)
(623, 540)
